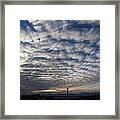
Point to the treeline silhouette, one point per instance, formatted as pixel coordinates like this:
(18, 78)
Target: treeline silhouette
(95, 96)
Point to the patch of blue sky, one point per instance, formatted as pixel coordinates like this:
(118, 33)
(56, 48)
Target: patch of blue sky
(26, 25)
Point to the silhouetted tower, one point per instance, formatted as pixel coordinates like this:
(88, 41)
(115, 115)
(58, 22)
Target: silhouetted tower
(67, 91)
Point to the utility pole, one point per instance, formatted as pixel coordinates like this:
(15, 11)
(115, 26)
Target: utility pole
(67, 91)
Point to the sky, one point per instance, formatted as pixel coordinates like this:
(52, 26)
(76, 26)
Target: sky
(55, 54)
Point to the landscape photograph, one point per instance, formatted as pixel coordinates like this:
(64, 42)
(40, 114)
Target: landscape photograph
(59, 59)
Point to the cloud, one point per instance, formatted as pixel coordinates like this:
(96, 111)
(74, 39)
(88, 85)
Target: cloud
(64, 51)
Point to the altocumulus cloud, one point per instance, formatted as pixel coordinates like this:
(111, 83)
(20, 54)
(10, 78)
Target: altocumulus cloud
(59, 53)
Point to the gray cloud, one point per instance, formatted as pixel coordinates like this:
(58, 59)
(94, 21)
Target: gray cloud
(59, 53)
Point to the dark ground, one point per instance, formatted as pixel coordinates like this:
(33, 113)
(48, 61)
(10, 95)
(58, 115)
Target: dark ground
(80, 96)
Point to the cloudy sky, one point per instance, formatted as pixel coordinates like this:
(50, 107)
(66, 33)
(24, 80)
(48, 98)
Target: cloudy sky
(56, 54)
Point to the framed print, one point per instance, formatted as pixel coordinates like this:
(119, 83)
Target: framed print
(59, 59)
